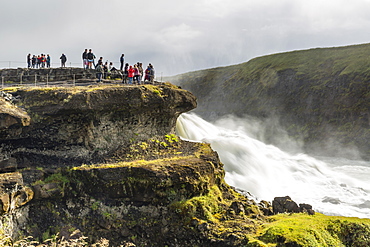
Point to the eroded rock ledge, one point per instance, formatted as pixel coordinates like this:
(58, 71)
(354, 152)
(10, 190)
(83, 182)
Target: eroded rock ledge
(57, 126)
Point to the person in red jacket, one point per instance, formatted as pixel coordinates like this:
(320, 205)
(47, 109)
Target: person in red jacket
(131, 72)
(136, 75)
(147, 74)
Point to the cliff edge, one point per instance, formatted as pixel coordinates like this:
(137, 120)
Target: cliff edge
(60, 126)
(101, 166)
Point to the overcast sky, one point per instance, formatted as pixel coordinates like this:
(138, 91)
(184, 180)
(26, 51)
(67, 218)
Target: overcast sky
(176, 36)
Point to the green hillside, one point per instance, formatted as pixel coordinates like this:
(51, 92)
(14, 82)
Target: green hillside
(316, 95)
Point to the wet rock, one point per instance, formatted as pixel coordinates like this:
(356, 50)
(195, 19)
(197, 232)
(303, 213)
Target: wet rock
(287, 205)
(284, 205)
(266, 208)
(306, 208)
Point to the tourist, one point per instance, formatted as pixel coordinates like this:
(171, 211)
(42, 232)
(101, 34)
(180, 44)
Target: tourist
(99, 71)
(152, 72)
(140, 67)
(131, 73)
(84, 59)
(111, 67)
(122, 60)
(136, 74)
(147, 74)
(63, 60)
(125, 74)
(43, 60)
(38, 65)
(90, 59)
(100, 60)
(34, 61)
(29, 61)
(48, 61)
(106, 70)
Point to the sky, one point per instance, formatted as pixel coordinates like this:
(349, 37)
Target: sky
(176, 36)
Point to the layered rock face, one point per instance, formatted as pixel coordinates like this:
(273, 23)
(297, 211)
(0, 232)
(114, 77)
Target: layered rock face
(64, 124)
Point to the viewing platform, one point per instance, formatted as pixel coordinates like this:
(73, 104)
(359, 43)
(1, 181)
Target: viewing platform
(54, 76)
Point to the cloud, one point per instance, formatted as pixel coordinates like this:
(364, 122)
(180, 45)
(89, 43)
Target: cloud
(178, 36)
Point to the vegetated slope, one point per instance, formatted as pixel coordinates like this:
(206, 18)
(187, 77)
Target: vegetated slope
(317, 95)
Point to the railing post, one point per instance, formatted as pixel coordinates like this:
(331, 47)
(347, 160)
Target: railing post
(2, 81)
(35, 79)
(47, 80)
(74, 80)
(20, 81)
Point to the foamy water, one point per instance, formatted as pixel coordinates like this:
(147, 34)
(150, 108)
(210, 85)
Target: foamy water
(331, 186)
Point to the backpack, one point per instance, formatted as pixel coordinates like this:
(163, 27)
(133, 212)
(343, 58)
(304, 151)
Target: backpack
(90, 55)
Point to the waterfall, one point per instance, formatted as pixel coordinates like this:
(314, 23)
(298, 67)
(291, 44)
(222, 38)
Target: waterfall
(331, 186)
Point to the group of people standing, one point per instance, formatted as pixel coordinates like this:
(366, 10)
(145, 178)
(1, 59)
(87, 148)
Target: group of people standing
(39, 61)
(43, 61)
(134, 74)
(88, 58)
(131, 74)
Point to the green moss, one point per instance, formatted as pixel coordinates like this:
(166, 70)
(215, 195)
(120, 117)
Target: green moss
(154, 89)
(54, 178)
(203, 207)
(95, 206)
(317, 230)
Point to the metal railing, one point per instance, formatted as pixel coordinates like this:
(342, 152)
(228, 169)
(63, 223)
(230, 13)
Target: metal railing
(19, 64)
(67, 79)
(36, 78)
(24, 65)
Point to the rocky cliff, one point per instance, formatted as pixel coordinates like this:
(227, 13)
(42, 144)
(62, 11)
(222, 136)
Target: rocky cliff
(319, 96)
(103, 162)
(65, 125)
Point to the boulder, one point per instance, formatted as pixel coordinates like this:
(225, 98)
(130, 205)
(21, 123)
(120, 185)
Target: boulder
(284, 205)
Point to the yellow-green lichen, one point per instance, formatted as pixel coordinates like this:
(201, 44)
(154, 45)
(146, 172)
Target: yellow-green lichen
(135, 163)
(314, 230)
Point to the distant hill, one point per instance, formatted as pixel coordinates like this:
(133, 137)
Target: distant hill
(316, 95)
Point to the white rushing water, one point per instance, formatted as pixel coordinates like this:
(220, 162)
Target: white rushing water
(332, 186)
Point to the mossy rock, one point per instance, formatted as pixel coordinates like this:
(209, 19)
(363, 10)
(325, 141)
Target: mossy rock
(316, 230)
